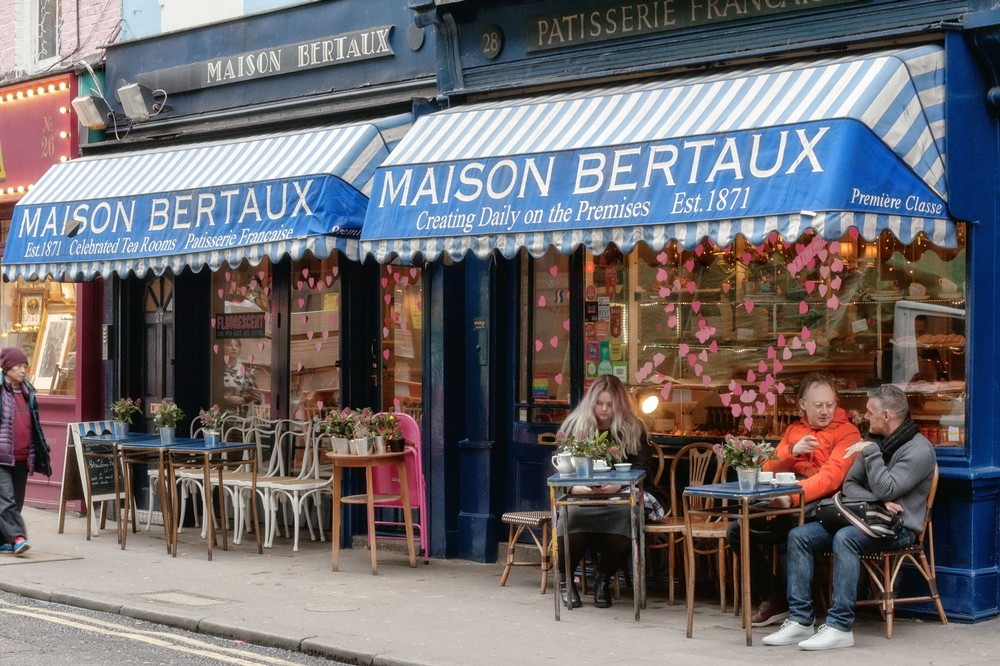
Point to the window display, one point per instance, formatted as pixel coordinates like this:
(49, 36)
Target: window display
(402, 339)
(315, 343)
(40, 318)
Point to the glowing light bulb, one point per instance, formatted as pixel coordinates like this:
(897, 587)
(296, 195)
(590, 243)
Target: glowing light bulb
(20, 94)
(63, 109)
(31, 92)
(40, 90)
(52, 87)
(63, 134)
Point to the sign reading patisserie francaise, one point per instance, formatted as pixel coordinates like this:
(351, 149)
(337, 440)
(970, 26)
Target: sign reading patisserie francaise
(601, 21)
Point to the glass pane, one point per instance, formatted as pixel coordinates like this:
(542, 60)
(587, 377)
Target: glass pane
(724, 335)
(47, 39)
(241, 346)
(40, 318)
(315, 345)
(402, 339)
(544, 373)
(605, 316)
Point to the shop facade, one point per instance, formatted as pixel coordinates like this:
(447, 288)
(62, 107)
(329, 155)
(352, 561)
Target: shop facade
(708, 200)
(221, 210)
(55, 323)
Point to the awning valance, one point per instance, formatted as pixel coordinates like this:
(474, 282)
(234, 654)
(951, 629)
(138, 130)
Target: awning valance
(201, 205)
(848, 142)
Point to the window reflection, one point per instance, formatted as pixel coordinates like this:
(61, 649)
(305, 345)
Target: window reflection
(315, 337)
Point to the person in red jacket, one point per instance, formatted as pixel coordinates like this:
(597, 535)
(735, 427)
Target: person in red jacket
(813, 448)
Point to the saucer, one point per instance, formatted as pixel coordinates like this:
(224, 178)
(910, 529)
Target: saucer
(775, 482)
(602, 468)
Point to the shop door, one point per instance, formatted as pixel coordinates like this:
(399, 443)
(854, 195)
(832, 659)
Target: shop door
(158, 322)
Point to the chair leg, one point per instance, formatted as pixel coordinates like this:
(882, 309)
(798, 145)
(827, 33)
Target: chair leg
(722, 574)
(545, 549)
(671, 568)
(512, 536)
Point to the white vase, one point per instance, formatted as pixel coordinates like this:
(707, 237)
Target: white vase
(341, 445)
(379, 441)
(361, 446)
(747, 477)
(168, 434)
(211, 437)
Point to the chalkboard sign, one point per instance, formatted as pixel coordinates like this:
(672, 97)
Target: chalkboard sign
(101, 468)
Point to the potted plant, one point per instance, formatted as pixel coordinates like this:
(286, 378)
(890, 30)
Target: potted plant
(167, 417)
(339, 426)
(746, 456)
(122, 411)
(588, 448)
(385, 429)
(213, 419)
(361, 437)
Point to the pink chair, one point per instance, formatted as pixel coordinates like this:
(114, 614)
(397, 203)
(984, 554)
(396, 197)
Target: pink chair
(385, 481)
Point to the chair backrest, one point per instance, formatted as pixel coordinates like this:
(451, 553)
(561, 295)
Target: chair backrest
(385, 479)
(700, 458)
(927, 530)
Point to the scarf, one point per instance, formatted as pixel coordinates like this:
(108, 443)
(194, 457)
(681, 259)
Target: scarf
(906, 431)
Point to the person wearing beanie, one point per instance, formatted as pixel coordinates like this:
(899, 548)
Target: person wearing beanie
(23, 449)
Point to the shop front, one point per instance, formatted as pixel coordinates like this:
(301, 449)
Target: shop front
(709, 237)
(225, 215)
(54, 322)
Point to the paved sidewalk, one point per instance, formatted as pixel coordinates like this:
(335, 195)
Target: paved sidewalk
(450, 612)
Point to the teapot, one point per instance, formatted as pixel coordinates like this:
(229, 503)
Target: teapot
(563, 462)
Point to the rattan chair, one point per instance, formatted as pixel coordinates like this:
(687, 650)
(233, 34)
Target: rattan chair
(530, 521)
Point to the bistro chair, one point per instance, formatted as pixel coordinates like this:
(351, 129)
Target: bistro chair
(530, 521)
(883, 569)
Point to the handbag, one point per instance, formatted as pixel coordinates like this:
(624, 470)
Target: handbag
(871, 518)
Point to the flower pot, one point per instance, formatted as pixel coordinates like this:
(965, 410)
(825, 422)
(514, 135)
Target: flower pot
(380, 444)
(361, 446)
(747, 477)
(168, 434)
(211, 437)
(119, 429)
(341, 445)
(583, 466)
(395, 444)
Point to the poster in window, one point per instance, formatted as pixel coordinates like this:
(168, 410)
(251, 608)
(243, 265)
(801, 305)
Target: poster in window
(29, 311)
(58, 328)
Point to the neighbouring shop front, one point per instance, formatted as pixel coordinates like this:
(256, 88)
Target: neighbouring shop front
(224, 215)
(56, 323)
(709, 237)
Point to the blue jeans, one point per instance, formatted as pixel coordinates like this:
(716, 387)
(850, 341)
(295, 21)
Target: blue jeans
(847, 546)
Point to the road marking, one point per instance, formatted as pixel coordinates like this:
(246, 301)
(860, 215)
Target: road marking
(166, 640)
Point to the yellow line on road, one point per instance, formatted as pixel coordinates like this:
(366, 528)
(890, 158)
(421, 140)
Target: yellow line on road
(161, 639)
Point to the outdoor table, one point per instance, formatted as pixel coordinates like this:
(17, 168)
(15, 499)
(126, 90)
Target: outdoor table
(148, 450)
(740, 511)
(341, 461)
(108, 446)
(195, 452)
(630, 494)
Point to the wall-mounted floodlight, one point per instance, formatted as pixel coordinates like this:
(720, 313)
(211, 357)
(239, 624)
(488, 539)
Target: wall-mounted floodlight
(93, 111)
(138, 102)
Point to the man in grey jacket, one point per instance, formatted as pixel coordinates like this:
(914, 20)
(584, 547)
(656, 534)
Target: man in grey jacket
(895, 466)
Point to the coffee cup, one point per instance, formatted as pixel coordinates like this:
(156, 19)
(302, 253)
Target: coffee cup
(917, 290)
(785, 477)
(765, 477)
(623, 467)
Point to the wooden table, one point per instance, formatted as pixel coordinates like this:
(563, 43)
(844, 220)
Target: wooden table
(370, 499)
(631, 495)
(148, 450)
(108, 447)
(733, 503)
(195, 452)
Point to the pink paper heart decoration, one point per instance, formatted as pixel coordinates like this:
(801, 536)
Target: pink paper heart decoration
(554, 341)
(762, 366)
(751, 376)
(661, 275)
(385, 282)
(220, 292)
(695, 306)
(836, 282)
(665, 391)
(298, 285)
(748, 305)
(215, 349)
(770, 399)
(780, 386)
(228, 276)
(822, 254)
(703, 356)
(305, 272)
(748, 396)
(786, 354)
(806, 333)
(538, 345)
(700, 250)
(692, 360)
(689, 265)
(335, 270)
(558, 378)
(706, 380)
(312, 282)
(772, 352)
(824, 271)
(267, 290)
(811, 347)
(261, 274)
(833, 302)
(225, 359)
(748, 423)
(735, 409)
(796, 343)
(387, 298)
(735, 388)
(713, 347)
(662, 257)
(566, 325)
(385, 331)
(777, 364)
(553, 270)
(250, 359)
(823, 289)
(725, 399)
(726, 287)
(541, 301)
(305, 319)
(677, 283)
(385, 354)
(260, 346)
(837, 266)
(760, 405)
(664, 292)
(328, 279)
(302, 303)
(658, 358)
(810, 286)
(835, 246)
(683, 348)
(309, 335)
(803, 307)
(691, 287)
(298, 367)
(672, 321)
(212, 321)
(319, 345)
(669, 307)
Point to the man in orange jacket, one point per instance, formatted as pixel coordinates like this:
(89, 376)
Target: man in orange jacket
(813, 448)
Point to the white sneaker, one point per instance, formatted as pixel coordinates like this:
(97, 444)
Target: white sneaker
(791, 632)
(828, 638)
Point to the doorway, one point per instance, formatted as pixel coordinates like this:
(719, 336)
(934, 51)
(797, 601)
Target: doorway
(158, 329)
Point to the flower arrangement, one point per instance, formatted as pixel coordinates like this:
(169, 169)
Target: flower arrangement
(743, 452)
(213, 417)
(596, 446)
(386, 425)
(169, 414)
(123, 409)
(363, 423)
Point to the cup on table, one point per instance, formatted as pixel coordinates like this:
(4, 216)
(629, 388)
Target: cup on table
(765, 477)
(785, 477)
(623, 467)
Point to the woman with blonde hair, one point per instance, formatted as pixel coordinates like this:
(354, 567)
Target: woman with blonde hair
(604, 530)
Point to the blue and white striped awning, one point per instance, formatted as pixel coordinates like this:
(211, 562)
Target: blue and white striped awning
(828, 145)
(200, 205)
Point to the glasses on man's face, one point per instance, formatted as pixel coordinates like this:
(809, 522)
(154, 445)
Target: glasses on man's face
(822, 405)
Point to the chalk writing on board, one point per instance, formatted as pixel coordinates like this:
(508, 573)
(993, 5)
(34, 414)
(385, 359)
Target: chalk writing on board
(101, 468)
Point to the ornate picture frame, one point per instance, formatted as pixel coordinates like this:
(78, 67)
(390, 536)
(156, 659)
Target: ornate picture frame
(57, 329)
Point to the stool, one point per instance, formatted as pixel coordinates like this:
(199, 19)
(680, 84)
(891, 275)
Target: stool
(528, 520)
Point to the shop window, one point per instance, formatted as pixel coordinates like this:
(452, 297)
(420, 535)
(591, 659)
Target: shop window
(544, 373)
(241, 345)
(40, 318)
(402, 339)
(46, 38)
(315, 342)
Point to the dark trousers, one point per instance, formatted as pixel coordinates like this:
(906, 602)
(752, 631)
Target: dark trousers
(764, 536)
(13, 481)
(611, 550)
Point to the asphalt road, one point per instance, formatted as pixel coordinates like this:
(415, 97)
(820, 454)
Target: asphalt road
(35, 633)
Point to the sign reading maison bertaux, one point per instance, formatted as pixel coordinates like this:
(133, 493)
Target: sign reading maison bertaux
(597, 22)
(274, 61)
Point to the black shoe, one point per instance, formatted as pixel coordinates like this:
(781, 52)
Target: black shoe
(602, 591)
(574, 594)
